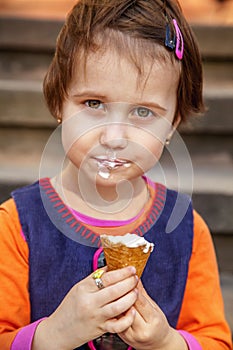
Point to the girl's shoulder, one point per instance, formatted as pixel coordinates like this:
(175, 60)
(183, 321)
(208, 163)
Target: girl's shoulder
(8, 210)
(11, 235)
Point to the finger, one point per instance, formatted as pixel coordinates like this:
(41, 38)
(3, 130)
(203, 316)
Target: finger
(144, 307)
(128, 335)
(118, 325)
(138, 324)
(120, 306)
(116, 291)
(144, 293)
(141, 288)
(111, 277)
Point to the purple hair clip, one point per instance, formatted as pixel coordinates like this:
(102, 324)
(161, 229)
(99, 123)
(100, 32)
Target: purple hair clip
(177, 41)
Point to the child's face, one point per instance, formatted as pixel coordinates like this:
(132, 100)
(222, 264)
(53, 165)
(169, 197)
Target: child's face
(115, 122)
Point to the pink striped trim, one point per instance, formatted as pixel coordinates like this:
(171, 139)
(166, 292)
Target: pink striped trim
(190, 340)
(96, 257)
(59, 205)
(103, 223)
(94, 239)
(23, 235)
(149, 182)
(61, 210)
(91, 345)
(50, 191)
(23, 339)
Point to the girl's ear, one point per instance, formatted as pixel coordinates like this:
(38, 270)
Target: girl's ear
(176, 122)
(173, 129)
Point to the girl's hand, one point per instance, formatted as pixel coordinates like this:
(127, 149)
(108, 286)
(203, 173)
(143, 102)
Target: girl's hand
(150, 329)
(87, 312)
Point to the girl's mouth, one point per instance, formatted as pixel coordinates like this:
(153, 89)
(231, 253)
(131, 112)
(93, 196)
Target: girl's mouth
(106, 165)
(112, 163)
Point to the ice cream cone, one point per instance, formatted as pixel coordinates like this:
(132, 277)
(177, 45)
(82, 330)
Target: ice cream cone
(128, 250)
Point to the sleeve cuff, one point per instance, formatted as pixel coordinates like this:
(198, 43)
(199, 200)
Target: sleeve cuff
(23, 339)
(190, 340)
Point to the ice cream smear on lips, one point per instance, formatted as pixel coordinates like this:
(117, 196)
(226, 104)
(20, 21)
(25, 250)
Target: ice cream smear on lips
(108, 163)
(127, 250)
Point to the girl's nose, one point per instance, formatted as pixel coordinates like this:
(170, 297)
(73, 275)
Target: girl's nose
(114, 136)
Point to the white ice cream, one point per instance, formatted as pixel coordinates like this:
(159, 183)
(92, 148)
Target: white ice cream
(132, 241)
(104, 172)
(108, 163)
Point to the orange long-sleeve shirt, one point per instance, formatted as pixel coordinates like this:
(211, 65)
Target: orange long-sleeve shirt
(202, 312)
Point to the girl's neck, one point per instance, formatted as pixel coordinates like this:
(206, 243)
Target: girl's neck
(120, 202)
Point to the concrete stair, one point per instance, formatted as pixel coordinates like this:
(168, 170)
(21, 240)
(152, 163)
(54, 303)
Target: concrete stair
(25, 127)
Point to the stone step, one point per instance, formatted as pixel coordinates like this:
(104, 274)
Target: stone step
(24, 66)
(32, 34)
(25, 127)
(22, 69)
(22, 103)
(208, 12)
(26, 154)
(25, 59)
(211, 43)
(215, 209)
(201, 164)
(21, 65)
(41, 34)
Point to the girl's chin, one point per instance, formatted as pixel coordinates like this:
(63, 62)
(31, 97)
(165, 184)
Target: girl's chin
(109, 177)
(113, 179)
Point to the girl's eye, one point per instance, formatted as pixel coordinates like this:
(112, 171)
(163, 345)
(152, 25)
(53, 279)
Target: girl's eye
(143, 112)
(94, 104)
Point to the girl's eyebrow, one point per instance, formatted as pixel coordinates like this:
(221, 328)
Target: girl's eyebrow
(153, 104)
(94, 94)
(89, 93)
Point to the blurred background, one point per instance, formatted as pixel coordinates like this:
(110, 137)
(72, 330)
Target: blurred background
(28, 31)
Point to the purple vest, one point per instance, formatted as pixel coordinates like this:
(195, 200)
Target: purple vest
(61, 249)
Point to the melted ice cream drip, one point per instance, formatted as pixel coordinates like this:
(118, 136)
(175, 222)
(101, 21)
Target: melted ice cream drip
(109, 163)
(111, 154)
(103, 172)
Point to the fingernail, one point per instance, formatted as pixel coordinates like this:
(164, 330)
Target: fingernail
(133, 269)
(133, 311)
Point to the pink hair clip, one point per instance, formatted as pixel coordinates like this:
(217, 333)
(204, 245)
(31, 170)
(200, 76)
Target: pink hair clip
(179, 50)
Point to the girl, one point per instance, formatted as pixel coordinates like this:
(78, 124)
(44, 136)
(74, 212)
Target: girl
(124, 75)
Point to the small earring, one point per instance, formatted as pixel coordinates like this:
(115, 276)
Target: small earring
(167, 142)
(59, 120)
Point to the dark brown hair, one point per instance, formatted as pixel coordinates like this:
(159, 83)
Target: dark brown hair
(137, 29)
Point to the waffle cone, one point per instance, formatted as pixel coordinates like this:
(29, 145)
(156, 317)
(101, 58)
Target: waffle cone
(118, 255)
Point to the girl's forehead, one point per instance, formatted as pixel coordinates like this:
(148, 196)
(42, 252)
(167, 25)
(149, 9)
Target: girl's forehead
(117, 50)
(103, 65)
(109, 77)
